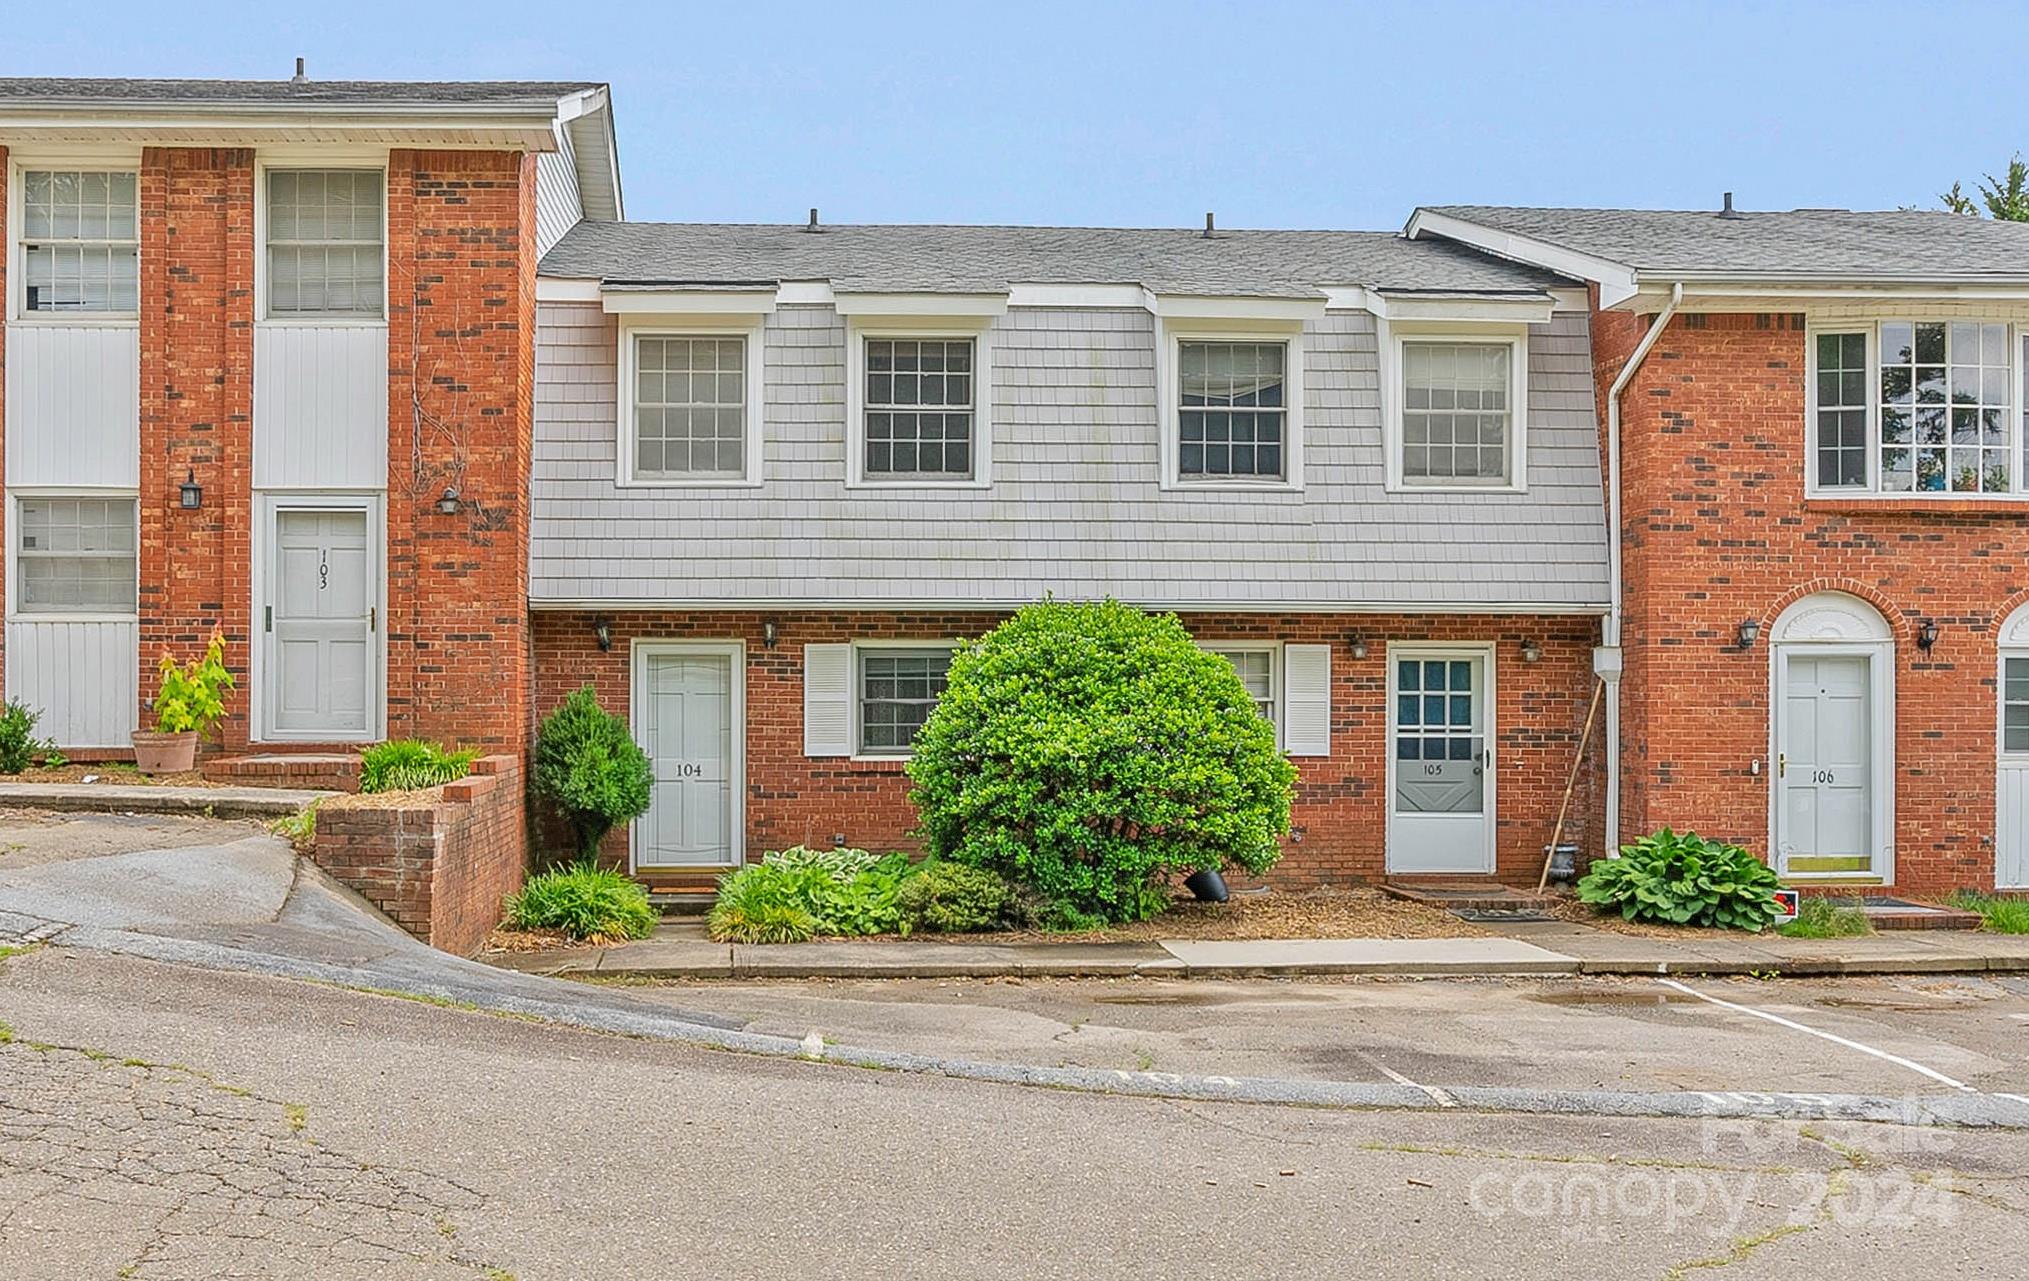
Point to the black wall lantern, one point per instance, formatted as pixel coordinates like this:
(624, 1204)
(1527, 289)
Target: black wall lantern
(1532, 651)
(1926, 635)
(602, 628)
(190, 494)
(448, 504)
(1358, 646)
(1749, 629)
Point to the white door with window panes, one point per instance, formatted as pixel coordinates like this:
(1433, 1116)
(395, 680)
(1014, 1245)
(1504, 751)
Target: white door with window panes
(688, 718)
(1440, 767)
(320, 624)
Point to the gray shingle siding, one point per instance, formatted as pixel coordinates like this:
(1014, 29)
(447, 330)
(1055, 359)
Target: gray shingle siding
(1075, 507)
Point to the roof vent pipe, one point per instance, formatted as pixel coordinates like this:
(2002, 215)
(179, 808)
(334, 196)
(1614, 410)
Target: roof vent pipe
(1208, 225)
(1726, 209)
(299, 78)
(812, 226)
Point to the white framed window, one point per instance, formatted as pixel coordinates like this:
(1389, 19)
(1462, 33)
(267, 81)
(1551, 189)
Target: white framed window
(80, 242)
(75, 554)
(1917, 407)
(1259, 669)
(2015, 705)
(918, 403)
(894, 689)
(325, 243)
(690, 402)
(1455, 408)
(1231, 406)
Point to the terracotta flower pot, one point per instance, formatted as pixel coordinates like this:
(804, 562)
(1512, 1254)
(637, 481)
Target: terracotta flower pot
(164, 753)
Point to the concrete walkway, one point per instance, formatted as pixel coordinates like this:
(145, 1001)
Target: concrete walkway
(142, 798)
(680, 951)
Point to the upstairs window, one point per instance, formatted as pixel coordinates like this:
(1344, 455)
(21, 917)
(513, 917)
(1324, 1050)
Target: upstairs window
(75, 555)
(919, 408)
(325, 245)
(1457, 413)
(80, 242)
(690, 406)
(1915, 407)
(1232, 420)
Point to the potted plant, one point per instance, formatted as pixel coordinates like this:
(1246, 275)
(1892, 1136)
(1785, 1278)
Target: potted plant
(188, 704)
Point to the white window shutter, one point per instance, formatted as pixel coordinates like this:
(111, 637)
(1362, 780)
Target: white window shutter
(1307, 700)
(827, 700)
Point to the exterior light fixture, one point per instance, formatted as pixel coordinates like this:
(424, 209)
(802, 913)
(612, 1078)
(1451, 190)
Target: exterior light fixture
(1532, 652)
(449, 503)
(1744, 635)
(1358, 646)
(602, 628)
(1926, 634)
(190, 495)
(768, 633)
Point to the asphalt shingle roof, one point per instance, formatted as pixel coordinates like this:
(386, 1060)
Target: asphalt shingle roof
(286, 92)
(1828, 243)
(967, 259)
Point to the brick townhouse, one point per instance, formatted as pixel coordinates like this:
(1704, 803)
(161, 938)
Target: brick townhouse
(466, 440)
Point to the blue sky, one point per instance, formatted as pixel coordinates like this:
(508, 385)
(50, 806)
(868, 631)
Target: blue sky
(1133, 114)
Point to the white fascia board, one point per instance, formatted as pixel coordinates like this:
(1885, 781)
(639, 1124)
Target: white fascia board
(1471, 308)
(1734, 294)
(920, 305)
(1616, 280)
(1094, 296)
(581, 103)
(657, 300)
(444, 127)
(1232, 308)
(1538, 609)
(806, 292)
(561, 289)
(1569, 300)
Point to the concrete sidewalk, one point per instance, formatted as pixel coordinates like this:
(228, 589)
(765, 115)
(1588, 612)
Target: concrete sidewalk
(144, 798)
(680, 951)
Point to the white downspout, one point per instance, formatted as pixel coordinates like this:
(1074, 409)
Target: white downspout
(1611, 631)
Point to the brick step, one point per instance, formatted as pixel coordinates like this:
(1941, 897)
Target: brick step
(328, 771)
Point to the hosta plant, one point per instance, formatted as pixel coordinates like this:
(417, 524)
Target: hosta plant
(1684, 879)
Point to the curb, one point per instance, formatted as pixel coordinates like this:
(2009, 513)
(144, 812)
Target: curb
(92, 798)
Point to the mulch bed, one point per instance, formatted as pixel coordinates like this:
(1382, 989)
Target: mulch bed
(111, 773)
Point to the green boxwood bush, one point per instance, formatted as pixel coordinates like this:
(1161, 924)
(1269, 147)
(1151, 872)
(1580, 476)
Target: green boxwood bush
(1086, 751)
(1684, 879)
(584, 902)
(954, 898)
(589, 769)
(407, 764)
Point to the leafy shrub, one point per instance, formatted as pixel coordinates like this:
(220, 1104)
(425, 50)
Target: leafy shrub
(1823, 918)
(406, 764)
(851, 894)
(1086, 750)
(2001, 915)
(1684, 880)
(584, 902)
(954, 898)
(192, 697)
(300, 828)
(18, 746)
(589, 768)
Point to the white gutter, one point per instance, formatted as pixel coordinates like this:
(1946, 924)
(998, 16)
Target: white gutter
(1611, 629)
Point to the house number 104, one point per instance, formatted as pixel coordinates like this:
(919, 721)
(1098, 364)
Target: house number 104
(686, 769)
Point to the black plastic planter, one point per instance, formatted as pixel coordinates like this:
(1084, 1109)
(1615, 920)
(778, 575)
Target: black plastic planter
(1206, 886)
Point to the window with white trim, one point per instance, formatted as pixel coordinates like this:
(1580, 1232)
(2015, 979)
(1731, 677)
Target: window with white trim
(2015, 705)
(1916, 407)
(896, 690)
(690, 406)
(80, 242)
(1232, 416)
(326, 253)
(1255, 666)
(75, 555)
(918, 412)
(1457, 413)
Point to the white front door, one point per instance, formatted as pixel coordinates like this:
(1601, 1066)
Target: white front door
(688, 718)
(1825, 764)
(1440, 760)
(322, 657)
(2011, 793)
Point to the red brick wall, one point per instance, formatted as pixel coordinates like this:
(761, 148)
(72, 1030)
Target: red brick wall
(197, 281)
(461, 368)
(1340, 812)
(439, 865)
(1718, 529)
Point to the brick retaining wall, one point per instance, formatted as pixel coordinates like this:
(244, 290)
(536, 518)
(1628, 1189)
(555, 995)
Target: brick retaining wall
(440, 865)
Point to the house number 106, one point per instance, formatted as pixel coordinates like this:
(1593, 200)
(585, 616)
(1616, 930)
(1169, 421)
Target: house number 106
(1821, 776)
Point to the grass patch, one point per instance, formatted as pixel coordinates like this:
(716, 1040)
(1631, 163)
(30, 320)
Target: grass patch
(1824, 918)
(585, 902)
(2001, 915)
(299, 829)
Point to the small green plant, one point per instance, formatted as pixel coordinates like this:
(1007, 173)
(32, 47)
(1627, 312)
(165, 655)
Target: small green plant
(18, 745)
(840, 864)
(1684, 879)
(2001, 915)
(192, 696)
(1824, 918)
(809, 892)
(953, 898)
(584, 902)
(590, 770)
(406, 764)
(300, 828)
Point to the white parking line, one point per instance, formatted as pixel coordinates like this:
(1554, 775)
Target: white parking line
(1792, 1024)
(1437, 1096)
